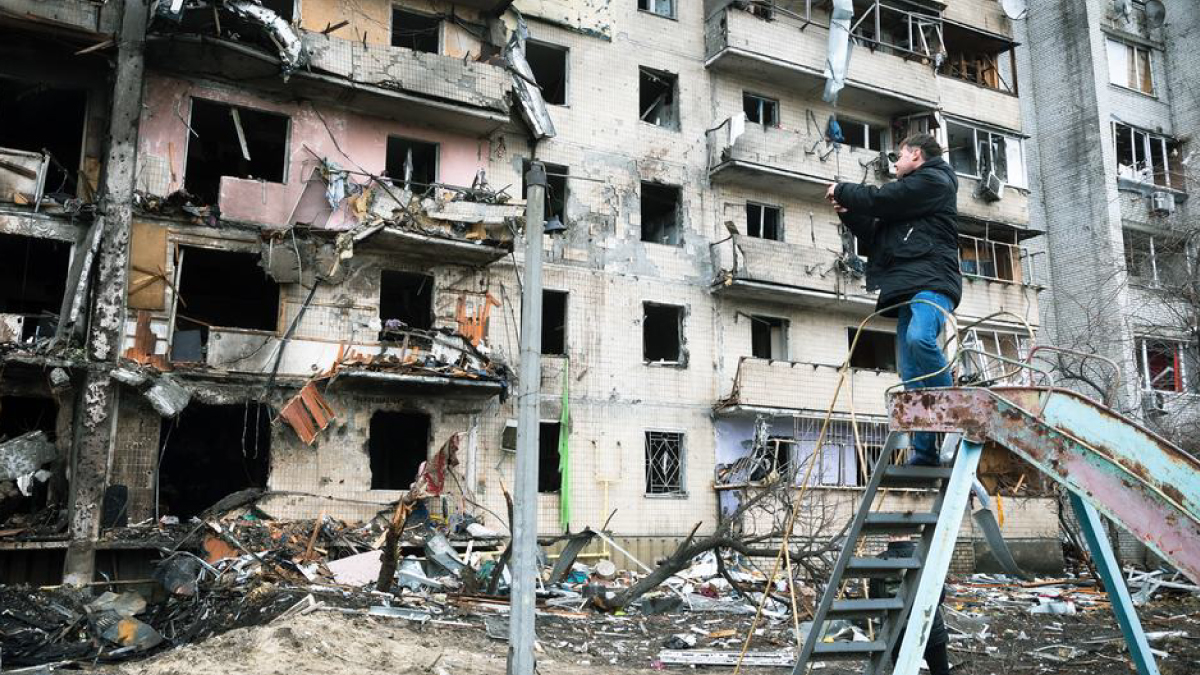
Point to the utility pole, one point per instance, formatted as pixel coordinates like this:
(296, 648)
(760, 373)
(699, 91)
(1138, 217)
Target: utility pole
(529, 378)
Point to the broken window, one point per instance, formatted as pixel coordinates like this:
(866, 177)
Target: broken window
(876, 350)
(33, 279)
(209, 452)
(760, 110)
(979, 58)
(225, 289)
(782, 450)
(411, 163)
(1129, 66)
(862, 134)
(764, 222)
(976, 152)
(405, 301)
(554, 322)
(664, 463)
(1156, 260)
(549, 65)
(660, 214)
(893, 29)
(38, 117)
(418, 32)
(549, 476)
(660, 7)
(658, 98)
(1163, 365)
(662, 333)
(1147, 158)
(768, 338)
(233, 141)
(556, 189)
(398, 443)
(989, 259)
(978, 368)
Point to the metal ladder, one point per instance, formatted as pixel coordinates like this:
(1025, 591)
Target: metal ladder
(920, 577)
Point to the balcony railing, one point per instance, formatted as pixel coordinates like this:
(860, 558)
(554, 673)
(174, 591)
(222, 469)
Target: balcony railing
(766, 269)
(998, 261)
(792, 385)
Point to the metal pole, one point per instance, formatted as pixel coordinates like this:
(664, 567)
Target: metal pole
(524, 526)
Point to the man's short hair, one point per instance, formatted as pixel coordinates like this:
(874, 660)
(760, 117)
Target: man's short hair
(926, 143)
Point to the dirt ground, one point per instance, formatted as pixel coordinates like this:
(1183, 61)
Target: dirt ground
(334, 643)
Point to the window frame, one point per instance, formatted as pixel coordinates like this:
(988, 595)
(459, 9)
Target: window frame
(762, 103)
(1021, 275)
(441, 26)
(673, 15)
(1131, 51)
(976, 337)
(868, 129)
(762, 214)
(680, 490)
(681, 355)
(772, 323)
(1013, 145)
(1183, 376)
(1148, 175)
(1155, 280)
(566, 52)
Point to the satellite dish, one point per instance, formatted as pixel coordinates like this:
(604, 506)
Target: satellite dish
(1156, 13)
(1015, 9)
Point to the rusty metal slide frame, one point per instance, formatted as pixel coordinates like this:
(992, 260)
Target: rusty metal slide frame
(1140, 480)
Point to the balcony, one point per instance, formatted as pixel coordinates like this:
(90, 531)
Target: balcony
(79, 19)
(790, 385)
(779, 160)
(790, 52)
(1012, 209)
(749, 268)
(980, 103)
(378, 80)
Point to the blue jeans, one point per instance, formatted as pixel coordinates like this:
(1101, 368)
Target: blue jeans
(919, 353)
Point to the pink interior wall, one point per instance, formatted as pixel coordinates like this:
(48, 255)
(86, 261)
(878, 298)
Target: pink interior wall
(163, 134)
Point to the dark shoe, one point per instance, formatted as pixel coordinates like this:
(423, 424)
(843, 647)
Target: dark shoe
(921, 459)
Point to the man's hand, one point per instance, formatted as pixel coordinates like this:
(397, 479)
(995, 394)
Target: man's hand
(832, 200)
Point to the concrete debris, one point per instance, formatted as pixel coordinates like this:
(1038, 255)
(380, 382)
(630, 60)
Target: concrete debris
(529, 96)
(356, 570)
(167, 396)
(25, 454)
(292, 54)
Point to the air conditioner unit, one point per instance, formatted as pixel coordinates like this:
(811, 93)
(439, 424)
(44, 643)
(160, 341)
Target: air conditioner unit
(991, 187)
(1162, 203)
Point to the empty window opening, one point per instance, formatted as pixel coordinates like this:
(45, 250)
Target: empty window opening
(989, 259)
(782, 450)
(768, 338)
(405, 301)
(660, 7)
(33, 278)
(398, 443)
(876, 350)
(549, 476)
(862, 135)
(220, 289)
(978, 152)
(1164, 366)
(660, 214)
(210, 452)
(761, 110)
(979, 58)
(284, 8)
(664, 462)
(233, 141)
(764, 222)
(549, 66)
(22, 414)
(658, 99)
(36, 118)
(1156, 260)
(412, 163)
(1148, 158)
(662, 333)
(554, 322)
(1129, 66)
(418, 32)
(556, 189)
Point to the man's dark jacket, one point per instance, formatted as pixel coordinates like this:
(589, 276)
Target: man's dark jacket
(908, 230)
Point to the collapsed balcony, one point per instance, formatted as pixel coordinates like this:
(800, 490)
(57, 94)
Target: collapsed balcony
(393, 82)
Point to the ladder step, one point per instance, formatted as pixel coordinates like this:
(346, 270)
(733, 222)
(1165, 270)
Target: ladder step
(865, 607)
(907, 521)
(848, 650)
(915, 476)
(871, 568)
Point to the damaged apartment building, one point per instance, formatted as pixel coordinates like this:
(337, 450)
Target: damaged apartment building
(270, 246)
